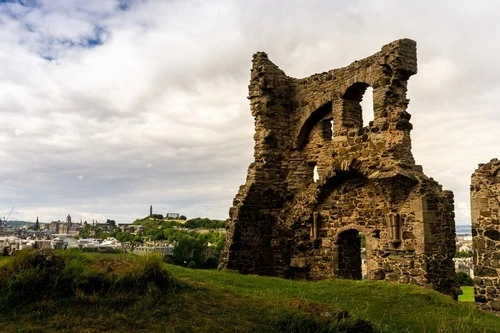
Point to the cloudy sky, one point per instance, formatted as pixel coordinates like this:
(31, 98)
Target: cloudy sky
(109, 106)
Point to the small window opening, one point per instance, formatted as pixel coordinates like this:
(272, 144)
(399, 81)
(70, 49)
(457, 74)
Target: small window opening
(331, 125)
(315, 173)
(367, 106)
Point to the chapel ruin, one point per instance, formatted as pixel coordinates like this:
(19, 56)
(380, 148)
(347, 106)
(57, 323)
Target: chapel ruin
(485, 207)
(286, 223)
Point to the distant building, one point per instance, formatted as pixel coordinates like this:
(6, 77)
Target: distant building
(154, 248)
(54, 227)
(64, 228)
(108, 226)
(464, 265)
(172, 216)
(132, 228)
(42, 244)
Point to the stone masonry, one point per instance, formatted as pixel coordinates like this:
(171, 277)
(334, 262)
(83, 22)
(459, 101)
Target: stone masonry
(485, 206)
(286, 223)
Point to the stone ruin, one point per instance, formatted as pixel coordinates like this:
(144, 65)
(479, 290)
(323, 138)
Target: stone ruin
(284, 222)
(485, 208)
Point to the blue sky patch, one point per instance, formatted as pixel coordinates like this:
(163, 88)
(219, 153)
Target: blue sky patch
(26, 3)
(124, 4)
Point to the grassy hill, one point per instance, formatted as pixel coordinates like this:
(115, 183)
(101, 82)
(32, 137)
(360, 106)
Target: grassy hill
(19, 224)
(89, 292)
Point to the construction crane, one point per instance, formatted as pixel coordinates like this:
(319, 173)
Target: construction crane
(6, 219)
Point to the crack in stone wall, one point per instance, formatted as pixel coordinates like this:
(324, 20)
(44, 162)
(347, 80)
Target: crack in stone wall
(286, 223)
(485, 206)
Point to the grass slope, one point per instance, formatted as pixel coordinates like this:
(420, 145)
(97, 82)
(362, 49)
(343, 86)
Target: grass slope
(468, 294)
(70, 291)
(94, 292)
(389, 307)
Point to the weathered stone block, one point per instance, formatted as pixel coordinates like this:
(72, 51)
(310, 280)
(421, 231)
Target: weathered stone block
(485, 191)
(479, 298)
(495, 305)
(483, 271)
(298, 262)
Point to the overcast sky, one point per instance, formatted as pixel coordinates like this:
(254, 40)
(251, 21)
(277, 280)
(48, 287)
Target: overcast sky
(107, 107)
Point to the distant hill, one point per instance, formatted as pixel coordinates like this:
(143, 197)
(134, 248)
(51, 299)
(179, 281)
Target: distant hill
(463, 229)
(19, 224)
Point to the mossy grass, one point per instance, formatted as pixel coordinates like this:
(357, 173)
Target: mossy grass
(92, 292)
(32, 276)
(71, 291)
(467, 294)
(389, 307)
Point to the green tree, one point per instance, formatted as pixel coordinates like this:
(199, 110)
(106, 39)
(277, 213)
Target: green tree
(464, 254)
(204, 223)
(84, 232)
(464, 279)
(189, 248)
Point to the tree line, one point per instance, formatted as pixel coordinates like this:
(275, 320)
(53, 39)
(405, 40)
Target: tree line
(191, 248)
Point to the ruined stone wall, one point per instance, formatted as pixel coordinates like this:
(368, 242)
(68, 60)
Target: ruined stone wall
(285, 223)
(485, 206)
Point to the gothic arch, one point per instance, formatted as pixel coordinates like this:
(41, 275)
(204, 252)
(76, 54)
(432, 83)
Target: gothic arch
(324, 112)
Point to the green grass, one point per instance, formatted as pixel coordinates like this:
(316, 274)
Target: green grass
(72, 291)
(389, 307)
(92, 292)
(468, 294)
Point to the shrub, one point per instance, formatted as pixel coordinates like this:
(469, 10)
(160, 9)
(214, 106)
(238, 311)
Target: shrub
(30, 275)
(464, 279)
(211, 262)
(42, 274)
(464, 254)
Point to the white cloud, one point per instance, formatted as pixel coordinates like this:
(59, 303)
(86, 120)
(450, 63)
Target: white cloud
(157, 113)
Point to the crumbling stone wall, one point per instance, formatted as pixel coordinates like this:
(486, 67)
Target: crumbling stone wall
(285, 223)
(485, 206)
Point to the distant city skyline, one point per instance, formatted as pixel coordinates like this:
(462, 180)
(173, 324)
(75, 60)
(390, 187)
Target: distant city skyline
(108, 107)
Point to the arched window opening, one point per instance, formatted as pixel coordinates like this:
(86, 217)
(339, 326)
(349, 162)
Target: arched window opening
(315, 174)
(367, 106)
(357, 106)
(318, 116)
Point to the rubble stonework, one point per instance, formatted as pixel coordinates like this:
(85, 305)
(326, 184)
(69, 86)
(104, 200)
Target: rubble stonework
(285, 223)
(485, 206)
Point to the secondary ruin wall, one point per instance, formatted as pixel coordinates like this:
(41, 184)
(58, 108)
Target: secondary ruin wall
(285, 223)
(485, 206)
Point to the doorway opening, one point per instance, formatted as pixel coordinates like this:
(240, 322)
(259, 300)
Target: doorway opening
(349, 255)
